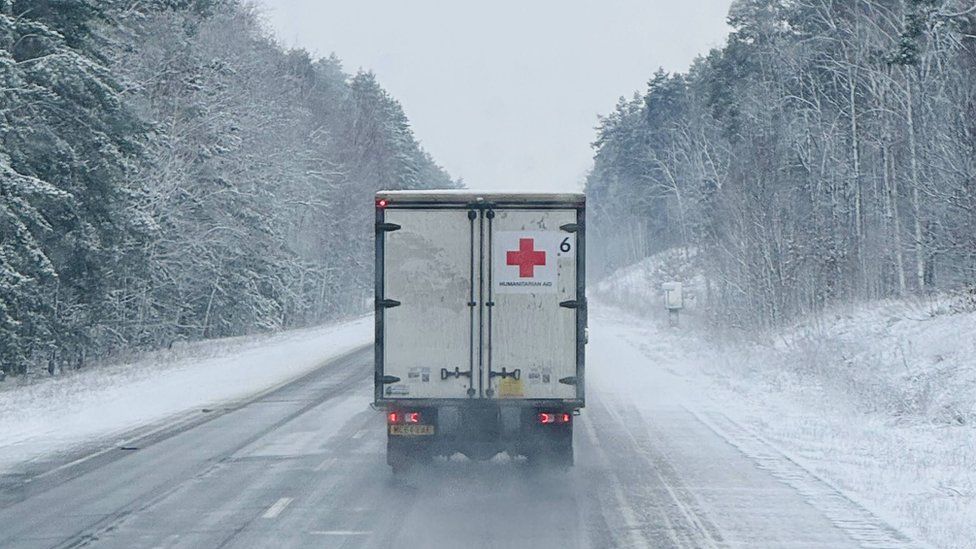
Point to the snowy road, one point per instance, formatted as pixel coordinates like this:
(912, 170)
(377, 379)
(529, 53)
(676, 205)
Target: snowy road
(304, 466)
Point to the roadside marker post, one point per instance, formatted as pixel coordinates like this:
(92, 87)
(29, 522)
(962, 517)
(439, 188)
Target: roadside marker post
(673, 301)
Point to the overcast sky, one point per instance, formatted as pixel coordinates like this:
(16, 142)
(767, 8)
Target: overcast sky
(506, 93)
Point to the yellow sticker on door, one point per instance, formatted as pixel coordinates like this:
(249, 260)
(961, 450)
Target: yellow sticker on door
(510, 388)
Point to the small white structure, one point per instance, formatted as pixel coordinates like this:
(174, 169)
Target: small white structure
(672, 295)
(673, 300)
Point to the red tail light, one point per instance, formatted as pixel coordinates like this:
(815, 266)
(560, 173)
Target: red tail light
(381, 203)
(551, 417)
(402, 417)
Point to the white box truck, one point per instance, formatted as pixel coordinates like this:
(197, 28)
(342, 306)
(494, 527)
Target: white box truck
(480, 323)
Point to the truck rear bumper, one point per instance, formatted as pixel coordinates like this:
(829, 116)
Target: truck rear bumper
(481, 429)
(404, 403)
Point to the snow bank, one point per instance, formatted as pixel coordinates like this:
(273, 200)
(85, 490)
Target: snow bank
(878, 399)
(55, 414)
(913, 362)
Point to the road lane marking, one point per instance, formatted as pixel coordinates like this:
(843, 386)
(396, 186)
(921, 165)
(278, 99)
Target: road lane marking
(340, 532)
(175, 424)
(328, 463)
(170, 541)
(277, 508)
(359, 434)
(627, 512)
(687, 511)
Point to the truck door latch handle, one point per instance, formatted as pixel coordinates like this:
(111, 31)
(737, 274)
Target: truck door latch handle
(515, 374)
(456, 374)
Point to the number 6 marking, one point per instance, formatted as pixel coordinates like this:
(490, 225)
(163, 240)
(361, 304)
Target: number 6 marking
(564, 246)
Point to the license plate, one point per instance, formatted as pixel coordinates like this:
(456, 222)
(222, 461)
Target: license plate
(411, 430)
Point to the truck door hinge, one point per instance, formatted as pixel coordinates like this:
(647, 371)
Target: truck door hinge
(571, 380)
(388, 379)
(388, 303)
(514, 374)
(571, 304)
(569, 227)
(456, 374)
(387, 227)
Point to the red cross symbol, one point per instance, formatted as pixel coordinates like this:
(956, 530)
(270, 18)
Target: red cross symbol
(526, 258)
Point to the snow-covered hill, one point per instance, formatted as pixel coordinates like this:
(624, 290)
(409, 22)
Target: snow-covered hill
(637, 287)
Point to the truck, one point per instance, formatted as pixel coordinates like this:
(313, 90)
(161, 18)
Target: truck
(480, 311)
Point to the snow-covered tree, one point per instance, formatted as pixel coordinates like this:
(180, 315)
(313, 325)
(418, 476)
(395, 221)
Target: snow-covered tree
(71, 220)
(825, 152)
(167, 171)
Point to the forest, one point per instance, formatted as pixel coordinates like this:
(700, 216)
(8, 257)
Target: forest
(168, 172)
(825, 154)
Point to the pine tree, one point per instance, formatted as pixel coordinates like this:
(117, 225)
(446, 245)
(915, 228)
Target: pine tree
(68, 147)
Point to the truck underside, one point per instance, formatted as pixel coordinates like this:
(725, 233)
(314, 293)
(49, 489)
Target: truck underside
(479, 430)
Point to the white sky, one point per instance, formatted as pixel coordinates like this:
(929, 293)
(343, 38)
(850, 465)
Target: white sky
(506, 93)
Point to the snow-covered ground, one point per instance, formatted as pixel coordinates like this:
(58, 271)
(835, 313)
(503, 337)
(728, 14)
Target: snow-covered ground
(882, 401)
(56, 414)
(878, 400)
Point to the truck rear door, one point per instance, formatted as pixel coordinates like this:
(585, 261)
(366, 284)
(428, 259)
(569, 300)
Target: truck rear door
(532, 307)
(478, 300)
(430, 264)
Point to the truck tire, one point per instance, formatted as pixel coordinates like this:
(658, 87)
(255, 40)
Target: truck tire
(557, 454)
(559, 460)
(404, 455)
(400, 468)
(399, 460)
(563, 457)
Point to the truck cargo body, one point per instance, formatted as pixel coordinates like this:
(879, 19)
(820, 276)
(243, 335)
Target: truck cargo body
(480, 323)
